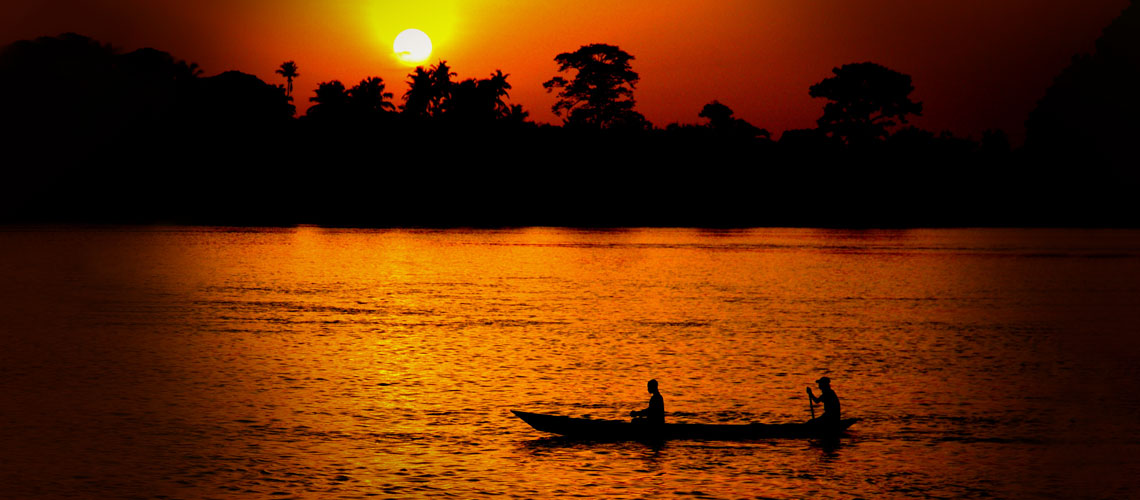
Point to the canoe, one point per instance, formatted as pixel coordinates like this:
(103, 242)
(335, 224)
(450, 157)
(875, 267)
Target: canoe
(620, 430)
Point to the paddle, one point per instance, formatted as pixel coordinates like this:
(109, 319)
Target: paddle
(811, 404)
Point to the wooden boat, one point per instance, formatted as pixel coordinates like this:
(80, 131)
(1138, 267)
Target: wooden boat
(619, 430)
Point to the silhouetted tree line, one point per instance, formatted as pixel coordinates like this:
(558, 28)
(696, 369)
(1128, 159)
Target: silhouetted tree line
(92, 134)
(1091, 113)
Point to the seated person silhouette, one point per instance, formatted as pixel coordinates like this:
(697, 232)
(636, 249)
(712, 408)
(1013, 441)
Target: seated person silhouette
(830, 402)
(655, 413)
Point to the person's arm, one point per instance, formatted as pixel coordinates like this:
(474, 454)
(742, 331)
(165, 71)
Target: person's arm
(812, 397)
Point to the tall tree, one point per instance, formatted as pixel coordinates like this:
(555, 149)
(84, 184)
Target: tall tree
(288, 70)
(601, 92)
(496, 86)
(331, 100)
(369, 97)
(441, 85)
(428, 91)
(866, 99)
(479, 100)
(417, 99)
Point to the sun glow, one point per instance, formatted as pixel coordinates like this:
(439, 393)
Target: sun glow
(412, 46)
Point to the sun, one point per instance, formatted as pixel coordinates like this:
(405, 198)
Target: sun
(412, 46)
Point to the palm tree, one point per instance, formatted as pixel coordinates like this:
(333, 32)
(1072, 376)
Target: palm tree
(497, 87)
(417, 99)
(516, 114)
(288, 70)
(331, 99)
(429, 91)
(369, 97)
(474, 100)
(441, 87)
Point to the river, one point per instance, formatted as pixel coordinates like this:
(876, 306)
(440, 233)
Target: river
(206, 362)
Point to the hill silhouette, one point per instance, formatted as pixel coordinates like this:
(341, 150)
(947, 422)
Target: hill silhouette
(100, 136)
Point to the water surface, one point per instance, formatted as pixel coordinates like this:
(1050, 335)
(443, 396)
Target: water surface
(319, 363)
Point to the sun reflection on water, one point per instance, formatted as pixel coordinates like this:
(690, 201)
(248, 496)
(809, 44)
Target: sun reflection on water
(334, 361)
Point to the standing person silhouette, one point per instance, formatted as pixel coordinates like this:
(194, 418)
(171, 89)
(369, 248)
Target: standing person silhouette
(655, 413)
(829, 399)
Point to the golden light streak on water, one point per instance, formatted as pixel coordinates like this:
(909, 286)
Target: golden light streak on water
(311, 362)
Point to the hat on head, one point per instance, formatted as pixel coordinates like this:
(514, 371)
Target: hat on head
(823, 380)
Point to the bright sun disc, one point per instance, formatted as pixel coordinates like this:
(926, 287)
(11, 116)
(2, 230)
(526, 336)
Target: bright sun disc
(412, 46)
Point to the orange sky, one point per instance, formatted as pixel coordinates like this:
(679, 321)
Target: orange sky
(976, 64)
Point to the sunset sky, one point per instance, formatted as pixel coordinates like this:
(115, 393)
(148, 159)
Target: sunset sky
(977, 64)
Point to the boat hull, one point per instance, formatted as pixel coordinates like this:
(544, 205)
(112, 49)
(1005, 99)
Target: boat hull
(617, 430)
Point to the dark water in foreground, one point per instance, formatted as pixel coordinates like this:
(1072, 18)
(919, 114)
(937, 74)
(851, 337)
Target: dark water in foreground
(312, 363)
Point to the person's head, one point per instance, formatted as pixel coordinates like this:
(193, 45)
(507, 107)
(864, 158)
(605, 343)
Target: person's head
(824, 382)
(652, 385)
